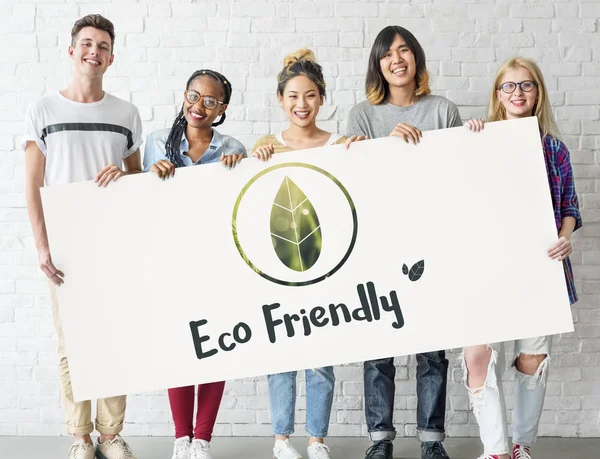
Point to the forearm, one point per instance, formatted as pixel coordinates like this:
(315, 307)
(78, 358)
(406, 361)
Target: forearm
(36, 215)
(567, 227)
(133, 163)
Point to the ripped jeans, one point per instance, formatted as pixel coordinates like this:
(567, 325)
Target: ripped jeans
(319, 398)
(488, 401)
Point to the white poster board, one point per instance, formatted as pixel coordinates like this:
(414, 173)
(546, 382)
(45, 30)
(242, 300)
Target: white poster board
(156, 278)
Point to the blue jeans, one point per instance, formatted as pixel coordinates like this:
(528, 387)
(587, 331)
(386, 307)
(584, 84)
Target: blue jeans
(432, 375)
(319, 397)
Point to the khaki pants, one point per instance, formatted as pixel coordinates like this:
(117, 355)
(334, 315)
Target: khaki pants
(110, 412)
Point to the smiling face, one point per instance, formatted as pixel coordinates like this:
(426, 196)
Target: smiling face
(518, 104)
(197, 115)
(301, 101)
(398, 65)
(91, 52)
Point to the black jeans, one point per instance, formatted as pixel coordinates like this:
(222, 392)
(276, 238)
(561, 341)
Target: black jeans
(432, 376)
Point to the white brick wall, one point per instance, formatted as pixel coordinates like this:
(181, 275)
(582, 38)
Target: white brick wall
(160, 43)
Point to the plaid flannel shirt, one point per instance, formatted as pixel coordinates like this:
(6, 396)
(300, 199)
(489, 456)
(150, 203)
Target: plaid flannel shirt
(564, 196)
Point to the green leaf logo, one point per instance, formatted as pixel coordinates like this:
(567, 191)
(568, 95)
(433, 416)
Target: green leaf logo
(295, 228)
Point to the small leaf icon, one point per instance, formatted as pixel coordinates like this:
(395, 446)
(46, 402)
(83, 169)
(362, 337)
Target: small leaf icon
(404, 269)
(416, 271)
(295, 228)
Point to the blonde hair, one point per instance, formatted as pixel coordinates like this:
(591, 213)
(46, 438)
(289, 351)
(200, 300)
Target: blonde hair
(378, 93)
(301, 54)
(301, 62)
(542, 108)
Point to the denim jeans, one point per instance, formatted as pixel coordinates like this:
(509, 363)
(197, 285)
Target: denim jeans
(432, 375)
(529, 392)
(319, 397)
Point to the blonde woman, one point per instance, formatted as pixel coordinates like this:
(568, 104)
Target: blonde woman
(519, 91)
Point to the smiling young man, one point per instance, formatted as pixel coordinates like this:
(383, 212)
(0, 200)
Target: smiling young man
(399, 103)
(77, 134)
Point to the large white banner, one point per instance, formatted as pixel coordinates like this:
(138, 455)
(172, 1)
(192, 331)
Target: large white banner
(316, 257)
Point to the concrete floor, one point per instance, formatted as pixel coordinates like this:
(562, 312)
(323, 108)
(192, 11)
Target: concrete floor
(260, 448)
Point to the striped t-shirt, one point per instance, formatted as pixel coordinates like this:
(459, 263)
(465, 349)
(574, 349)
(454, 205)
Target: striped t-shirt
(80, 139)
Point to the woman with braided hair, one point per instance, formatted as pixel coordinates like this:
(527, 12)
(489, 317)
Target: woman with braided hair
(191, 141)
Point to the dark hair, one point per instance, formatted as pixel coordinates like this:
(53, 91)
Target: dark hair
(178, 129)
(96, 21)
(301, 62)
(376, 86)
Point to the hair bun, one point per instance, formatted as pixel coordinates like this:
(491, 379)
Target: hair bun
(303, 54)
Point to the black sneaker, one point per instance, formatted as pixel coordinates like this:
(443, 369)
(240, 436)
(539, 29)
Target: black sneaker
(433, 450)
(382, 449)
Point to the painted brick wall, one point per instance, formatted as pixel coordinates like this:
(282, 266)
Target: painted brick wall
(160, 43)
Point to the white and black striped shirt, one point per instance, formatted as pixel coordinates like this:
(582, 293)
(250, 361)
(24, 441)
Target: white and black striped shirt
(80, 139)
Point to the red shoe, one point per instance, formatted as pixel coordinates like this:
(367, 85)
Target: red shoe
(521, 452)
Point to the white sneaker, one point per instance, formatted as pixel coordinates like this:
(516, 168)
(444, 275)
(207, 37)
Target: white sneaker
(181, 449)
(117, 448)
(283, 449)
(81, 450)
(200, 450)
(317, 451)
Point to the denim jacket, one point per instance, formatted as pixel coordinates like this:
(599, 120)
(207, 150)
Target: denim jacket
(220, 144)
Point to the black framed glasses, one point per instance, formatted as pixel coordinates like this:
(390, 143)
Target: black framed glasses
(209, 102)
(510, 86)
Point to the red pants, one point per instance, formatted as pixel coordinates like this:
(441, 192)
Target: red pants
(182, 409)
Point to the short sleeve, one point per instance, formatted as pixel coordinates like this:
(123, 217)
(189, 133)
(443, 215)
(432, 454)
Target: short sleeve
(265, 140)
(356, 124)
(239, 147)
(136, 132)
(153, 152)
(340, 140)
(34, 129)
(454, 119)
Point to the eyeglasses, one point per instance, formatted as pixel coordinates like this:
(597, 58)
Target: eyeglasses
(526, 86)
(209, 102)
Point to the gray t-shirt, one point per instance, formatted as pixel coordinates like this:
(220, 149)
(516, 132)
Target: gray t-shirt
(429, 113)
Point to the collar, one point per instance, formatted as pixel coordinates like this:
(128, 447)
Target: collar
(215, 143)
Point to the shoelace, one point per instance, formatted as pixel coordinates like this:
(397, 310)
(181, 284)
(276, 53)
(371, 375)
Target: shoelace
(122, 445)
(321, 451)
(285, 446)
(521, 452)
(81, 450)
(436, 448)
(199, 450)
(182, 449)
(379, 447)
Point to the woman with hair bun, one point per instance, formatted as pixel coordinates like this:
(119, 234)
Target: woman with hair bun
(301, 92)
